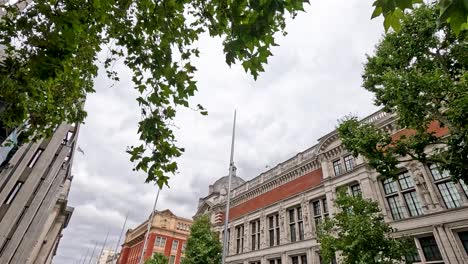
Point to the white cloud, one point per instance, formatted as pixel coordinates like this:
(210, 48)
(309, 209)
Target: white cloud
(313, 79)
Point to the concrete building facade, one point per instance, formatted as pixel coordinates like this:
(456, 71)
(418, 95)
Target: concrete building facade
(35, 180)
(274, 217)
(168, 235)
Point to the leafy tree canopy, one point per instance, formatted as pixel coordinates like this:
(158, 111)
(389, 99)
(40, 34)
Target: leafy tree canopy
(50, 50)
(203, 245)
(157, 258)
(454, 12)
(419, 73)
(359, 234)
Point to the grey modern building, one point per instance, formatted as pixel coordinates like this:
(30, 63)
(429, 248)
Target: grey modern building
(35, 180)
(275, 215)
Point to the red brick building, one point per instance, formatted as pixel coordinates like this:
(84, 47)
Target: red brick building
(168, 235)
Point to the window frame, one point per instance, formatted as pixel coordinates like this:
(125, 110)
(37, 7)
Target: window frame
(337, 167)
(321, 214)
(424, 257)
(255, 234)
(176, 243)
(296, 224)
(239, 238)
(274, 228)
(402, 197)
(350, 161)
(442, 178)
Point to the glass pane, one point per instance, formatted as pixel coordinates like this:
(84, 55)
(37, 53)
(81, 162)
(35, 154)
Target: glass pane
(292, 230)
(337, 167)
(316, 207)
(430, 249)
(299, 213)
(301, 231)
(291, 216)
(390, 186)
(349, 162)
(450, 194)
(405, 181)
(395, 207)
(464, 239)
(437, 174)
(325, 205)
(356, 190)
(413, 203)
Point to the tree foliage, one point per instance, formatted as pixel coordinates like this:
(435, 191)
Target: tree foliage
(454, 12)
(203, 245)
(360, 235)
(51, 48)
(157, 258)
(419, 73)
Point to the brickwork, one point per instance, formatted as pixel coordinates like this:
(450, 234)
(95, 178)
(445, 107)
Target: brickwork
(296, 186)
(165, 226)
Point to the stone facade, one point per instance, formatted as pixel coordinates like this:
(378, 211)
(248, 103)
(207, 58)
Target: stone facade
(168, 235)
(290, 200)
(35, 180)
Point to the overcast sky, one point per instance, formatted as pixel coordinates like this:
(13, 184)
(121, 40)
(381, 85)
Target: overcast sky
(313, 79)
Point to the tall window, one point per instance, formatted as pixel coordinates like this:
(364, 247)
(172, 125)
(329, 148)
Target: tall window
(296, 225)
(172, 259)
(464, 239)
(255, 233)
(239, 239)
(320, 211)
(337, 167)
(349, 162)
(302, 259)
(274, 230)
(430, 249)
(402, 190)
(160, 241)
(175, 244)
(447, 189)
(184, 245)
(274, 261)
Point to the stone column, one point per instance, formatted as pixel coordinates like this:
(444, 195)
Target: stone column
(421, 186)
(445, 248)
(309, 256)
(366, 188)
(263, 230)
(283, 226)
(246, 247)
(232, 239)
(306, 217)
(284, 258)
(433, 195)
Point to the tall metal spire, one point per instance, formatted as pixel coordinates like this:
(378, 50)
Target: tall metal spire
(232, 170)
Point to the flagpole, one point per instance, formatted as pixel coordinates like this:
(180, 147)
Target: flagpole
(150, 220)
(228, 201)
(103, 245)
(92, 253)
(121, 234)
